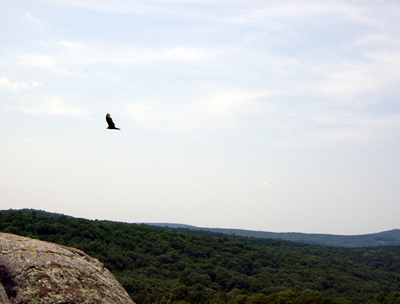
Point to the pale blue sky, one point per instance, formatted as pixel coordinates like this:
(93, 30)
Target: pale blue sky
(277, 116)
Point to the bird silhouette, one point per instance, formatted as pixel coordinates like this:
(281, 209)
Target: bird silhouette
(110, 122)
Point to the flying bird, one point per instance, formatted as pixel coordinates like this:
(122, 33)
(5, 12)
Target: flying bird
(111, 124)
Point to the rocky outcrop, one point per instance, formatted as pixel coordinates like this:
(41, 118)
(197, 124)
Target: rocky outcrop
(33, 271)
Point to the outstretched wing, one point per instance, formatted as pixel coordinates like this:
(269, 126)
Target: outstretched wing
(110, 122)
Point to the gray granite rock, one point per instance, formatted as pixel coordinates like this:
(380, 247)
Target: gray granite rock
(33, 271)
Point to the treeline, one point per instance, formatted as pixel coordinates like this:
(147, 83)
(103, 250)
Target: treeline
(385, 238)
(159, 266)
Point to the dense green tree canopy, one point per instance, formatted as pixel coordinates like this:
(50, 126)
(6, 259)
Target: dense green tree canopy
(156, 265)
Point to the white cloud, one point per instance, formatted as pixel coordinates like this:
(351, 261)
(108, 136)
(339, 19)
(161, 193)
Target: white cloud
(131, 54)
(29, 17)
(38, 60)
(341, 126)
(184, 54)
(70, 58)
(59, 64)
(217, 110)
(53, 105)
(350, 79)
(16, 86)
(37, 22)
(341, 134)
(344, 118)
(71, 45)
(41, 43)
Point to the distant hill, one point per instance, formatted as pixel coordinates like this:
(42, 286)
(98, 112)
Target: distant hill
(38, 212)
(157, 264)
(385, 238)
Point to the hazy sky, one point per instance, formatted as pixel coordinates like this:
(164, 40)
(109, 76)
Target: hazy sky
(278, 116)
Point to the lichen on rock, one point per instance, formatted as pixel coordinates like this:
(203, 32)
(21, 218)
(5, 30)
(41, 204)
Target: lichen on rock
(33, 271)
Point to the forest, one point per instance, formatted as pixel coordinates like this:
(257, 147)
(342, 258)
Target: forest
(391, 237)
(165, 265)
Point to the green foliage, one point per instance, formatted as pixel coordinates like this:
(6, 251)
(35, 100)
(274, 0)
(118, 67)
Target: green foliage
(155, 265)
(385, 238)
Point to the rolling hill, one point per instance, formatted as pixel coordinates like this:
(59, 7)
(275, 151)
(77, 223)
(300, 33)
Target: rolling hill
(179, 265)
(385, 238)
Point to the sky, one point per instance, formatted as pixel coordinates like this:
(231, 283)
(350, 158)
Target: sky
(279, 116)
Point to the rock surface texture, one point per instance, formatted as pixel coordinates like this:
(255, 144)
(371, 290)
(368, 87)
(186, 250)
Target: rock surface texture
(33, 271)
